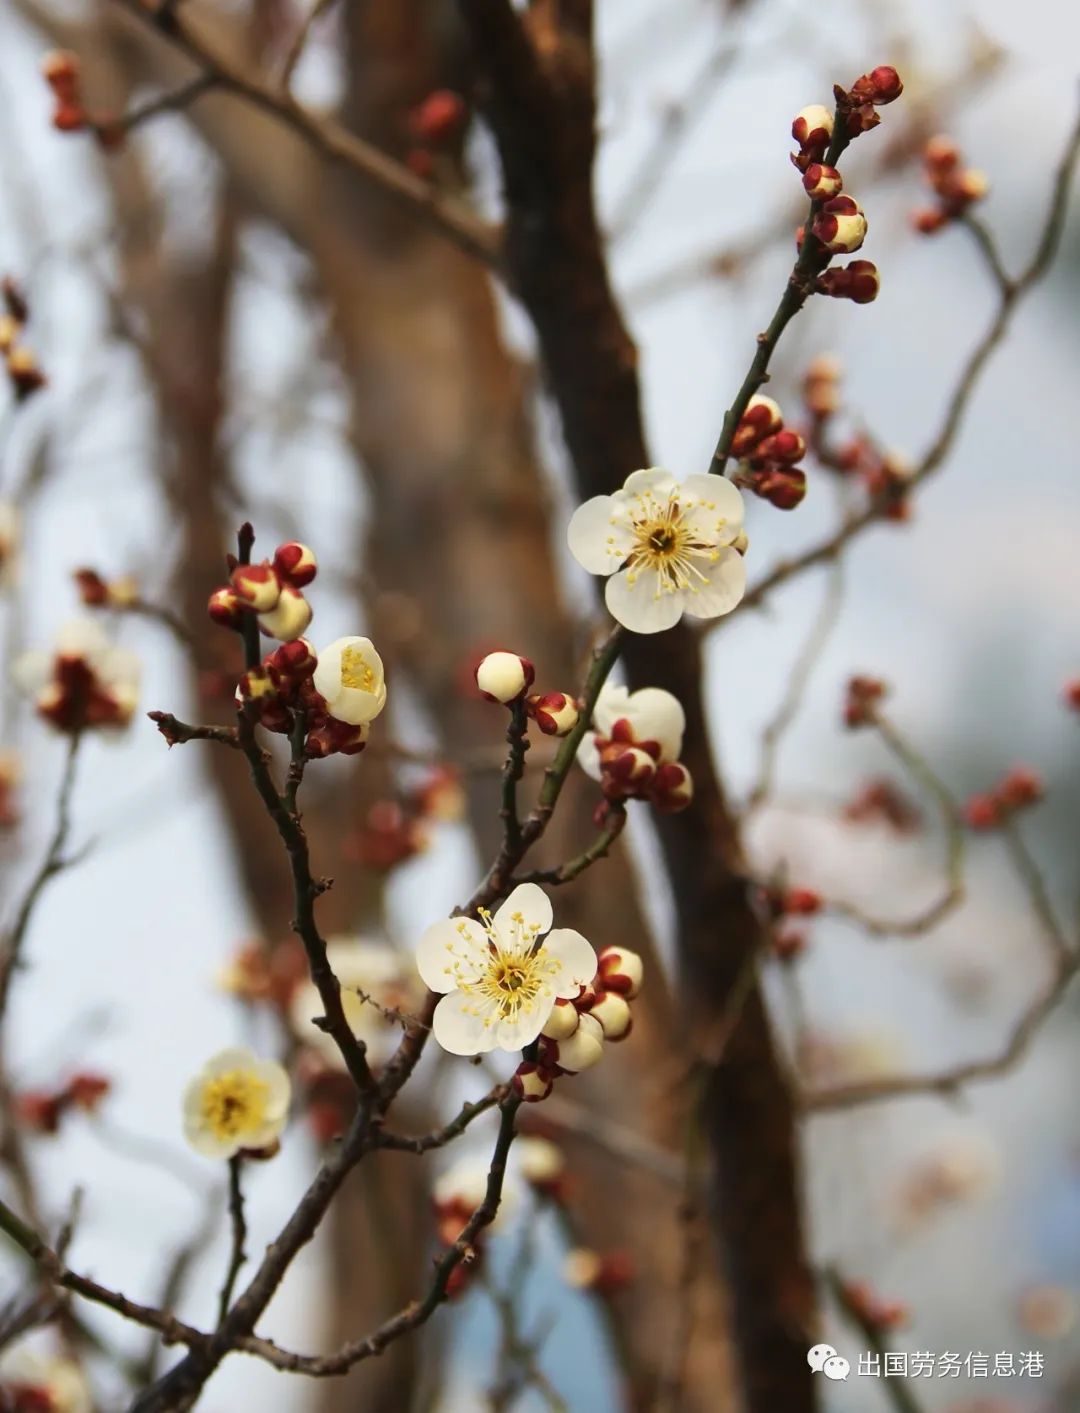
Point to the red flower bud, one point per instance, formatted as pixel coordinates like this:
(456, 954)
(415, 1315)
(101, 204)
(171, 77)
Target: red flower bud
(822, 182)
(803, 901)
(225, 608)
(787, 446)
(438, 118)
(1022, 786)
(859, 281)
(982, 812)
(880, 86)
(295, 563)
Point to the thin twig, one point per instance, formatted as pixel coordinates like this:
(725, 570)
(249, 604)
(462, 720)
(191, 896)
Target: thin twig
(53, 863)
(237, 1254)
(898, 1390)
(299, 44)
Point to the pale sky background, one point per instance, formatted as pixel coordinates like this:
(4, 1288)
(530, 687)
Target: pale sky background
(972, 612)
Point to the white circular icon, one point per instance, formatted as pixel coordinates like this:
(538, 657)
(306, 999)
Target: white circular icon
(836, 1367)
(818, 1355)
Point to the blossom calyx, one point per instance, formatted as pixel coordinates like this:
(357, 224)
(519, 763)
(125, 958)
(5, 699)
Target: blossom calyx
(504, 677)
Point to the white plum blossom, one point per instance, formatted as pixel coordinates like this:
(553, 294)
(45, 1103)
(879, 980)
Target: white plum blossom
(668, 547)
(650, 714)
(369, 967)
(236, 1102)
(83, 681)
(349, 676)
(59, 1378)
(503, 974)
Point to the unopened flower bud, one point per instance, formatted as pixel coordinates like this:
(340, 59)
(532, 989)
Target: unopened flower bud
(68, 117)
(256, 685)
(1022, 786)
(531, 1083)
(858, 282)
(822, 182)
(620, 970)
(290, 616)
(672, 787)
(862, 693)
(786, 445)
(628, 771)
(295, 658)
(782, 486)
(555, 713)
(225, 607)
(803, 901)
(971, 185)
(941, 155)
(438, 118)
(880, 86)
(927, 220)
(584, 1048)
(613, 1012)
(503, 677)
(60, 70)
(542, 1164)
(296, 563)
(337, 738)
(760, 420)
(562, 1022)
(821, 386)
(840, 225)
(257, 586)
(982, 812)
(813, 128)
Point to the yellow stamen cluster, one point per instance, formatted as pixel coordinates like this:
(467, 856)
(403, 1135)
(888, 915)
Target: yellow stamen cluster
(356, 672)
(234, 1103)
(666, 544)
(517, 971)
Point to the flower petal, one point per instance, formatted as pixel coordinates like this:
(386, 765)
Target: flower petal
(533, 904)
(460, 1028)
(636, 601)
(656, 715)
(597, 540)
(588, 757)
(235, 1057)
(610, 705)
(522, 1030)
(451, 950)
(722, 588)
(718, 507)
(576, 959)
(652, 480)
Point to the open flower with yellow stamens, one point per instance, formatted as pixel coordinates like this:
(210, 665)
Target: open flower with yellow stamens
(349, 677)
(236, 1102)
(503, 974)
(668, 547)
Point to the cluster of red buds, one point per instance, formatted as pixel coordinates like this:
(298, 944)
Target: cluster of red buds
(265, 974)
(635, 770)
(24, 374)
(956, 187)
(859, 281)
(872, 1310)
(506, 677)
(883, 800)
(574, 1036)
(41, 1110)
(272, 590)
(861, 699)
(768, 452)
(434, 126)
(821, 388)
(1018, 790)
(886, 476)
(395, 830)
(98, 592)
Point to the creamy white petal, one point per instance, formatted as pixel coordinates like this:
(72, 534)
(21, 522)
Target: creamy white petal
(610, 705)
(652, 479)
(451, 949)
(723, 590)
(718, 506)
(525, 1027)
(32, 670)
(81, 637)
(576, 957)
(279, 1089)
(588, 757)
(533, 904)
(460, 1029)
(597, 535)
(639, 605)
(656, 715)
(235, 1057)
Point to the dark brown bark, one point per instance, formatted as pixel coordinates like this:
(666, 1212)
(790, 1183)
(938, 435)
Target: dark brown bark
(541, 113)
